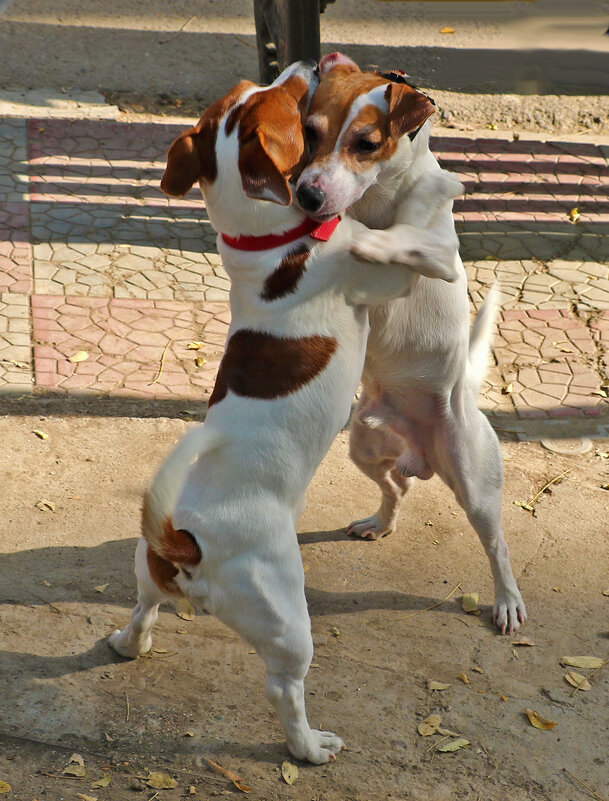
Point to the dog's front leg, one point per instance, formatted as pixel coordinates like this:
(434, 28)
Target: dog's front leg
(422, 235)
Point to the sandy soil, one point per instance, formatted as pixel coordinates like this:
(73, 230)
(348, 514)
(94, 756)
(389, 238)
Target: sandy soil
(200, 693)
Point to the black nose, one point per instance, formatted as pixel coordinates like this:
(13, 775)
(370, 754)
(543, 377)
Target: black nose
(310, 198)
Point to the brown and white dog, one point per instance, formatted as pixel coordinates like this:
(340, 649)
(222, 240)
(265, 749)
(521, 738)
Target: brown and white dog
(418, 412)
(223, 529)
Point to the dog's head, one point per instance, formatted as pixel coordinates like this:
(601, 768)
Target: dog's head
(358, 122)
(255, 130)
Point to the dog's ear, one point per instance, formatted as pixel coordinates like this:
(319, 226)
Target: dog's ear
(407, 108)
(337, 60)
(261, 176)
(191, 156)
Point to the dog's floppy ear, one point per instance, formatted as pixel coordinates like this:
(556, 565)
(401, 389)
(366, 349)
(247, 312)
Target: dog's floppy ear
(407, 108)
(261, 176)
(191, 156)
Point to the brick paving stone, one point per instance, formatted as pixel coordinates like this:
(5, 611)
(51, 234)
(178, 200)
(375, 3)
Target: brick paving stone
(127, 341)
(549, 357)
(15, 250)
(13, 161)
(15, 350)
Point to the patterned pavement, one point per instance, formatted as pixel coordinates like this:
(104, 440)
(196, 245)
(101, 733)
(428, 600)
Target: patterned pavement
(108, 289)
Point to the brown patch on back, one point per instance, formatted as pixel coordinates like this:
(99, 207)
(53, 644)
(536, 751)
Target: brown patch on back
(284, 280)
(263, 366)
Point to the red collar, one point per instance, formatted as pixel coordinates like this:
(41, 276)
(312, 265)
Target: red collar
(321, 231)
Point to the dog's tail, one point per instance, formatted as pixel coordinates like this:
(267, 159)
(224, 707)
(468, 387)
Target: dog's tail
(481, 335)
(161, 498)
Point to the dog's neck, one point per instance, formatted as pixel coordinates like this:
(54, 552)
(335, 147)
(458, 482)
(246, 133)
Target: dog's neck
(411, 160)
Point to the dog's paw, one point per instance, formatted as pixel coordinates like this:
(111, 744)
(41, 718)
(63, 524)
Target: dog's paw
(120, 642)
(319, 747)
(369, 528)
(509, 613)
(377, 247)
(443, 183)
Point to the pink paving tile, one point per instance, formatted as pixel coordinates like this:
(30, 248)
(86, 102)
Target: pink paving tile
(122, 360)
(101, 161)
(15, 249)
(554, 375)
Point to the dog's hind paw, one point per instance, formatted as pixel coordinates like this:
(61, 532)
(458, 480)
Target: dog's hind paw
(319, 747)
(369, 528)
(120, 642)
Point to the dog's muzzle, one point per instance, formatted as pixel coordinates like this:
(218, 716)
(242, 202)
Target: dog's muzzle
(310, 198)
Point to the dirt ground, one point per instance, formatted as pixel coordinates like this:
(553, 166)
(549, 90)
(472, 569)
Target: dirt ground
(200, 693)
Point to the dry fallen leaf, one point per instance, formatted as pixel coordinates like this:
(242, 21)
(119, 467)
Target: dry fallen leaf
(503, 697)
(437, 685)
(194, 345)
(578, 681)
(40, 434)
(582, 661)
(43, 505)
(84, 797)
(538, 720)
(606, 592)
(469, 603)
(104, 781)
(79, 356)
(200, 361)
(429, 725)
(507, 389)
(454, 745)
(447, 29)
(192, 789)
(477, 670)
(289, 772)
(101, 587)
(464, 679)
(523, 643)
(335, 631)
(159, 780)
(5, 787)
(574, 214)
(79, 771)
(185, 609)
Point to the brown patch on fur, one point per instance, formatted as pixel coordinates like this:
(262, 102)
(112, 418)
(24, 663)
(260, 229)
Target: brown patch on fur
(162, 572)
(192, 156)
(332, 102)
(284, 280)
(271, 141)
(179, 546)
(264, 366)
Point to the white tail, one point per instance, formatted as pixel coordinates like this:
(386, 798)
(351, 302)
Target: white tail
(161, 498)
(481, 335)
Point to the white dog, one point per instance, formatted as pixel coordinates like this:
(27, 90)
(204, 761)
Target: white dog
(223, 530)
(418, 413)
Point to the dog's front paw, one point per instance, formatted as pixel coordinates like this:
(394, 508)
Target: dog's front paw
(124, 645)
(378, 247)
(509, 613)
(318, 747)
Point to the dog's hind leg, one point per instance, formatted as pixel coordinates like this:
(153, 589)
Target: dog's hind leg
(468, 459)
(136, 638)
(375, 451)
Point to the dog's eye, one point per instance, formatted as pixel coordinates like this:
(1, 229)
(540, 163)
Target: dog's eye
(367, 145)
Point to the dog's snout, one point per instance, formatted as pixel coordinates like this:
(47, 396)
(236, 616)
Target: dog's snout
(310, 198)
